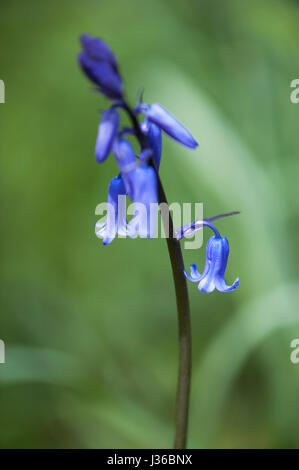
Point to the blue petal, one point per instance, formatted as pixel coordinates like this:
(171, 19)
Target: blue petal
(144, 185)
(223, 287)
(222, 245)
(144, 190)
(157, 114)
(106, 133)
(207, 285)
(195, 274)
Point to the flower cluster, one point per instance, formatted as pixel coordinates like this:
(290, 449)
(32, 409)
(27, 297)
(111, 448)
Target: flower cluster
(137, 173)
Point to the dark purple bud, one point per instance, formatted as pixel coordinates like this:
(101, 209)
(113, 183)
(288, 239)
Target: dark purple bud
(99, 64)
(103, 75)
(97, 49)
(107, 131)
(157, 114)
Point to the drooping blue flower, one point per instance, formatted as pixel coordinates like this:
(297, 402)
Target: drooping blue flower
(116, 213)
(217, 252)
(106, 132)
(212, 278)
(158, 115)
(99, 64)
(154, 139)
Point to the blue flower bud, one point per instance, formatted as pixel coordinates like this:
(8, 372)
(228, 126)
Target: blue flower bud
(107, 130)
(99, 64)
(97, 49)
(212, 278)
(103, 75)
(157, 114)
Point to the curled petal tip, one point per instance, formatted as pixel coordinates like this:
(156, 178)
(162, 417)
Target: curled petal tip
(194, 275)
(236, 283)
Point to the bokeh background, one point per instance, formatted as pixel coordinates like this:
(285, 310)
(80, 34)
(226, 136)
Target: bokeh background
(90, 331)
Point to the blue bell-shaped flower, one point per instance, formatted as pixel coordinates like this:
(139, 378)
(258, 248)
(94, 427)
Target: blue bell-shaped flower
(212, 278)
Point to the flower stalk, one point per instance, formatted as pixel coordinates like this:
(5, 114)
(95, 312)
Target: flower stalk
(139, 179)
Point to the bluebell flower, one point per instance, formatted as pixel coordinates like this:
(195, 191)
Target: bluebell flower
(158, 115)
(212, 278)
(107, 131)
(116, 213)
(99, 64)
(154, 139)
(217, 252)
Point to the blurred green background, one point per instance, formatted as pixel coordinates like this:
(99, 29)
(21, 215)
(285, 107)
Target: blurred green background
(90, 331)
